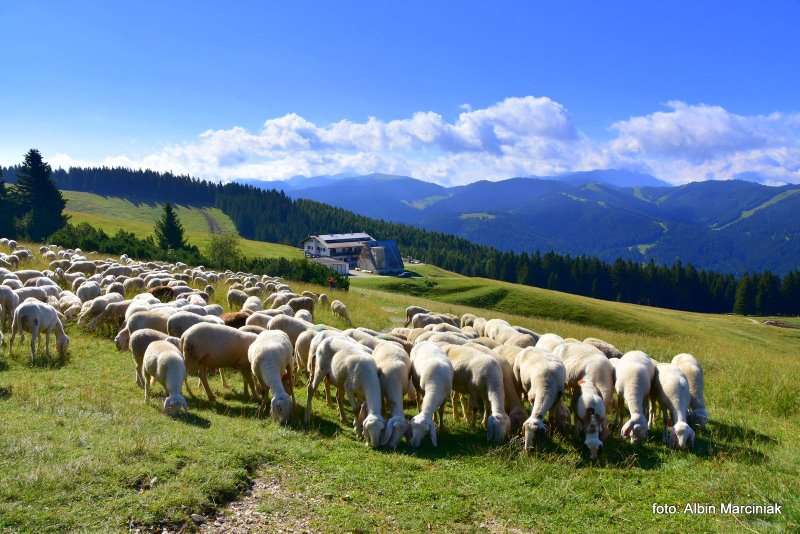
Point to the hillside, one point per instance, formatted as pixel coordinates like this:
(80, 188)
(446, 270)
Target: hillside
(114, 213)
(83, 452)
(732, 226)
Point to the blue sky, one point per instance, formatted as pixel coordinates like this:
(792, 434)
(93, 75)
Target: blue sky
(685, 90)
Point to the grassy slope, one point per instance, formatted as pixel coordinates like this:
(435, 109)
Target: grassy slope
(80, 449)
(112, 214)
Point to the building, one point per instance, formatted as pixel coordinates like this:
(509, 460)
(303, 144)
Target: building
(342, 247)
(381, 257)
(334, 265)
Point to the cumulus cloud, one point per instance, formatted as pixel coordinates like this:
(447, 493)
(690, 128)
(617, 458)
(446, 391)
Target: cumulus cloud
(518, 136)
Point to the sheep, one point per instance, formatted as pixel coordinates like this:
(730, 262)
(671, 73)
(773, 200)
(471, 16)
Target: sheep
(542, 377)
(236, 298)
(292, 326)
(411, 311)
(633, 378)
(235, 319)
(37, 293)
(86, 267)
(9, 301)
(480, 377)
(163, 362)
(421, 320)
(93, 309)
(671, 390)
(214, 309)
(605, 347)
(113, 314)
(88, 291)
(355, 375)
(270, 355)
(394, 371)
(323, 299)
(180, 322)
(252, 305)
(139, 342)
(339, 309)
(37, 317)
(155, 319)
(304, 315)
(253, 329)
(302, 303)
(521, 340)
(432, 377)
(690, 367)
(212, 346)
(590, 412)
(301, 347)
(549, 342)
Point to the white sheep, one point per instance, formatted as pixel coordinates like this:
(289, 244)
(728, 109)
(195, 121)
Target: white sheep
(690, 367)
(432, 376)
(671, 390)
(339, 309)
(479, 377)
(181, 321)
(542, 377)
(634, 373)
(155, 318)
(163, 362)
(9, 301)
(549, 342)
(394, 371)
(270, 355)
(37, 317)
(252, 305)
(139, 342)
(411, 311)
(88, 291)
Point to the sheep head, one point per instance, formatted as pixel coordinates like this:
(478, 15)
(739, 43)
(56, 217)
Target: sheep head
(174, 404)
(419, 427)
(532, 428)
(497, 427)
(281, 408)
(593, 429)
(517, 416)
(62, 343)
(122, 339)
(681, 436)
(396, 428)
(373, 428)
(698, 418)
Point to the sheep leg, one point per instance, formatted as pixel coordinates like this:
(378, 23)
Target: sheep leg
(453, 404)
(146, 389)
(204, 381)
(340, 404)
(225, 382)
(620, 408)
(289, 383)
(34, 338)
(47, 343)
(312, 387)
(328, 399)
(440, 411)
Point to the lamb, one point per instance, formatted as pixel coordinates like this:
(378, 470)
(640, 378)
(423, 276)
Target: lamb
(394, 371)
(690, 367)
(339, 309)
(605, 347)
(37, 317)
(270, 355)
(181, 321)
(163, 362)
(432, 376)
(671, 390)
(411, 311)
(480, 377)
(212, 346)
(139, 342)
(634, 376)
(542, 377)
(355, 375)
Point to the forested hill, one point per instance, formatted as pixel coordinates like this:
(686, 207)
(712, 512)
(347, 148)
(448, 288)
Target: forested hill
(269, 215)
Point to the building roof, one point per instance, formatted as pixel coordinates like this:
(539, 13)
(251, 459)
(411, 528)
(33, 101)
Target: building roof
(360, 237)
(345, 244)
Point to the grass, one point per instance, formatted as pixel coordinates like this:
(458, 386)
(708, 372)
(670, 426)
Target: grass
(113, 214)
(80, 450)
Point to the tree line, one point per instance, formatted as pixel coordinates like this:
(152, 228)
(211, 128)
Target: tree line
(270, 215)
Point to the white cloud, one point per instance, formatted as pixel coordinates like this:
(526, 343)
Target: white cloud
(518, 136)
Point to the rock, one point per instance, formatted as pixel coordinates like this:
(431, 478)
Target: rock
(198, 519)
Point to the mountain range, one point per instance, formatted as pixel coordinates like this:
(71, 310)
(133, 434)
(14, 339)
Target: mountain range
(730, 226)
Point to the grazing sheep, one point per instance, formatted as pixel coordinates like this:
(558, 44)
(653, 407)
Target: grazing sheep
(181, 321)
(355, 375)
(139, 342)
(302, 346)
(113, 315)
(234, 319)
(542, 377)
(411, 311)
(212, 346)
(479, 377)
(633, 378)
(671, 390)
(304, 315)
(86, 267)
(155, 319)
(88, 291)
(590, 412)
(270, 355)
(214, 309)
(252, 305)
(133, 284)
(394, 371)
(291, 325)
(163, 362)
(37, 317)
(302, 303)
(548, 342)
(9, 301)
(432, 377)
(92, 310)
(37, 293)
(690, 367)
(339, 309)
(605, 347)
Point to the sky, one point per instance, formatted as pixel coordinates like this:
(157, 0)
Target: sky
(450, 92)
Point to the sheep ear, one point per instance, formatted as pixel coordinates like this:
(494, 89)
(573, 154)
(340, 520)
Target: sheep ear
(434, 437)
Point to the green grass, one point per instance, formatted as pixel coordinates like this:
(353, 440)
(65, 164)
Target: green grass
(79, 449)
(113, 214)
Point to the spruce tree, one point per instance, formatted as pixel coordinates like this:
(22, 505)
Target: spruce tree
(169, 230)
(6, 212)
(744, 304)
(39, 202)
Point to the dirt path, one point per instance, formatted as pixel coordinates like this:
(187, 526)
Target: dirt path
(213, 225)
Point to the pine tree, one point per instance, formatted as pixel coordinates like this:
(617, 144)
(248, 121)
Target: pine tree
(38, 200)
(6, 213)
(169, 230)
(744, 304)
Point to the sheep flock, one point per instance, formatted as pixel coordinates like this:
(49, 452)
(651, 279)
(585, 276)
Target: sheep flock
(517, 381)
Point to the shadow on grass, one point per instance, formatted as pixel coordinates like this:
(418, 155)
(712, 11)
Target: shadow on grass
(732, 442)
(193, 419)
(3, 364)
(5, 392)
